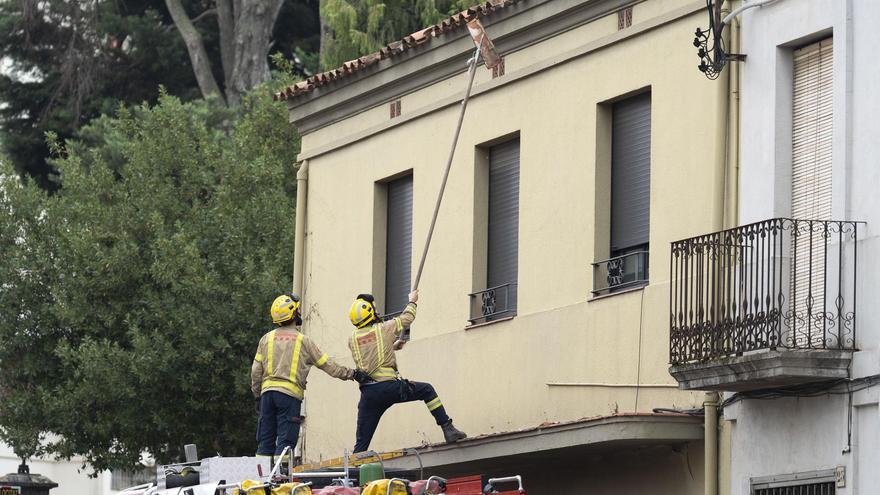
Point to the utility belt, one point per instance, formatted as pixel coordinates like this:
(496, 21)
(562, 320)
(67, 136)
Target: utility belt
(385, 372)
(407, 389)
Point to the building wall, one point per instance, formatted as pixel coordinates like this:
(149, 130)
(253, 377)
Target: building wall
(69, 475)
(796, 435)
(505, 375)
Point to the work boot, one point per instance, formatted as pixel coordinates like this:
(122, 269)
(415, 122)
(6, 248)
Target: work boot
(451, 433)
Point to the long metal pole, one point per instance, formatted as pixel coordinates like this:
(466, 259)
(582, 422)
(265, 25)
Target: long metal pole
(471, 72)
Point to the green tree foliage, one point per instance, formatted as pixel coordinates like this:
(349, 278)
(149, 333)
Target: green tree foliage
(27, 333)
(356, 27)
(63, 63)
(67, 62)
(131, 299)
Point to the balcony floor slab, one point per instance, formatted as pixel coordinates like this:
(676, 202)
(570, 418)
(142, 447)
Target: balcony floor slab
(763, 369)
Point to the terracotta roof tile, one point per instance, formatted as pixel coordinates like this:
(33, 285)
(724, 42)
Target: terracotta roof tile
(394, 48)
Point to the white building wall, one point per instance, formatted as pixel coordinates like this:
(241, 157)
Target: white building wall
(71, 478)
(786, 436)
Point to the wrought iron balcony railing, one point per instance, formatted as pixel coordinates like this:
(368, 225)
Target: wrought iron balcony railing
(493, 303)
(780, 283)
(620, 272)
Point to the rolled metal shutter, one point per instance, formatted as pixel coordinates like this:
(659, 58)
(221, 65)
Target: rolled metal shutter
(398, 250)
(812, 131)
(503, 238)
(812, 140)
(630, 173)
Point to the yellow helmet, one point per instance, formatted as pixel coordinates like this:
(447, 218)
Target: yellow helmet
(362, 311)
(284, 308)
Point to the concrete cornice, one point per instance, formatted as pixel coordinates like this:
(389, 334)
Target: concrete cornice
(509, 78)
(515, 27)
(614, 432)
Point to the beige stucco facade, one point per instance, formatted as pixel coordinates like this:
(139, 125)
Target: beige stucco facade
(566, 355)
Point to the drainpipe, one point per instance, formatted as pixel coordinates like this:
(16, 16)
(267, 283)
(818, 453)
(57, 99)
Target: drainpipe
(723, 136)
(743, 8)
(710, 410)
(731, 193)
(302, 180)
(729, 218)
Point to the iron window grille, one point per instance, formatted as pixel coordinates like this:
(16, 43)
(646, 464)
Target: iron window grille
(812, 483)
(493, 303)
(620, 272)
(779, 283)
(826, 488)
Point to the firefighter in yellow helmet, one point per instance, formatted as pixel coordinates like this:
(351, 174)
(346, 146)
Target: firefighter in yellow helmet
(372, 346)
(278, 377)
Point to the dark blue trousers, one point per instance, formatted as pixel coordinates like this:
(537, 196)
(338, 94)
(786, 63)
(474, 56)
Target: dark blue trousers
(279, 423)
(377, 397)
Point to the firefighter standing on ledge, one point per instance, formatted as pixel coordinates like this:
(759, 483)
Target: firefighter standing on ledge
(372, 346)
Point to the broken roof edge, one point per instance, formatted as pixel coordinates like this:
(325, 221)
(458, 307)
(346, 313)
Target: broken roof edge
(621, 429)
(629, 427)
(516, 27)
(568, 425)
(423, 36)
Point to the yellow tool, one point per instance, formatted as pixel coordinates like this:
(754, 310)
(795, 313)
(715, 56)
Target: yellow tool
(354, 460)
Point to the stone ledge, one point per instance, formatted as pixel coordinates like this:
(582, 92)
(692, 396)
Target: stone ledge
(763, 369)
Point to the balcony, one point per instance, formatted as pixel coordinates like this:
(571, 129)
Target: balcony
(620, 272)
(494, 303)
(764, 305)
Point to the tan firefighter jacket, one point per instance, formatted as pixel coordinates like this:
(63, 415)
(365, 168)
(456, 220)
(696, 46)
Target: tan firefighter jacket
(372, 347)
(284, 357)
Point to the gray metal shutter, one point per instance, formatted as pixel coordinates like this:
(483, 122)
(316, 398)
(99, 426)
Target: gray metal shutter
(398, 250)
(503, 236)
(630, 172)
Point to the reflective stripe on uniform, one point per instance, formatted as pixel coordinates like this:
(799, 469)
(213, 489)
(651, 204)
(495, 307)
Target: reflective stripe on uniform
(384, 372)
(271, 345)
(258, 357)
(370, 368)
(358, 359)
(380, 344)
(294, 365)
(322, 361)
(434, 404)
(286, 385)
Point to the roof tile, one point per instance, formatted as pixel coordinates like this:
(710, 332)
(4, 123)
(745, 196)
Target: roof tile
(394, 48)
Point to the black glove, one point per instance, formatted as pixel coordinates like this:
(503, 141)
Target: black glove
(257, 405)
(361, 376)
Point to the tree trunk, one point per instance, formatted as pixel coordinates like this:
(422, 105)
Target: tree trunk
(253, 31)
(325, 32)
(226, 22)
(196, 48)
